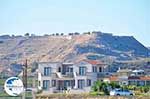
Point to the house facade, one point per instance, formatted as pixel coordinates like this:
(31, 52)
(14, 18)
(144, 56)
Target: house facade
(56, 77)
(129, 77)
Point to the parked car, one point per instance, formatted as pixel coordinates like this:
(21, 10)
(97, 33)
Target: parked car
(121, 92)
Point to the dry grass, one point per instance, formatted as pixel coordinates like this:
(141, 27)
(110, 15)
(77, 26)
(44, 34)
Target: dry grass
(87, 96)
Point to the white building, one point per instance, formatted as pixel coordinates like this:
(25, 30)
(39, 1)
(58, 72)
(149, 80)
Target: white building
(77, 78)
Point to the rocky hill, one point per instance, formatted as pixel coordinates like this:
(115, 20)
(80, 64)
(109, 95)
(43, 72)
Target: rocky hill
(119, 47)
(73, 47)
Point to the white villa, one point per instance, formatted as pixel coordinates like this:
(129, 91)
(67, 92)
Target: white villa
(55, 77)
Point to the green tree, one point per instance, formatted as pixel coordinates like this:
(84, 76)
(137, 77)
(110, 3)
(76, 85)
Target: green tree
(114, 85)
(131, 87)
(100, 86)
(96, 86)
(27, 34)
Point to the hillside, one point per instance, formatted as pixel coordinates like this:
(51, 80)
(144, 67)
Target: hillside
(95, 45)
(119, 47)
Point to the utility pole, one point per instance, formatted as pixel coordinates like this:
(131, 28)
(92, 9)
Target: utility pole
(25, 65)
(25, 74)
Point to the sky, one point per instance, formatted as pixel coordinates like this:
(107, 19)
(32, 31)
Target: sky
(120, 17)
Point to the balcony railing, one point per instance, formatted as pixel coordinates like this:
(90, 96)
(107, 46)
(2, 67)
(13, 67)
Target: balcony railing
(68, 74)
(100, 75)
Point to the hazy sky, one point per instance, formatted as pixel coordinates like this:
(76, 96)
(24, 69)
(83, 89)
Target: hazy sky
(121, 17)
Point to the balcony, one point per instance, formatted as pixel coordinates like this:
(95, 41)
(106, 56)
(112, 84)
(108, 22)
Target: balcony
(100, 75)
(68, 75)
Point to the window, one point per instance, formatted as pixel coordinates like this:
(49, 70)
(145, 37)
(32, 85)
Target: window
(94, 69)
(72, 83)
(46, 84)
(147, 82)
(81, 84)
(67, 83)
(67, 69)
(82, 70)
(53, 83)
(47, 71)
(71, 70)
(126, 90)
(64, 70)
(100, 69)
(59, 69)
(140, 83)
(88, 82)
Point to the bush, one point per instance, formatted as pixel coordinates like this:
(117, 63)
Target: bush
(114, 85)
(131, 87)
(101, 87)
(144, 89)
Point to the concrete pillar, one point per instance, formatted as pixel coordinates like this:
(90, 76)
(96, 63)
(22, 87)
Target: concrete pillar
(76, 83)
(85, 82)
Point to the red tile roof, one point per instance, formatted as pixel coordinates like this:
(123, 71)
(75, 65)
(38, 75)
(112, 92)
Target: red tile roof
(145, 78)
(139, 78)
(133, 77)
(142, 78)
(113, 78)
